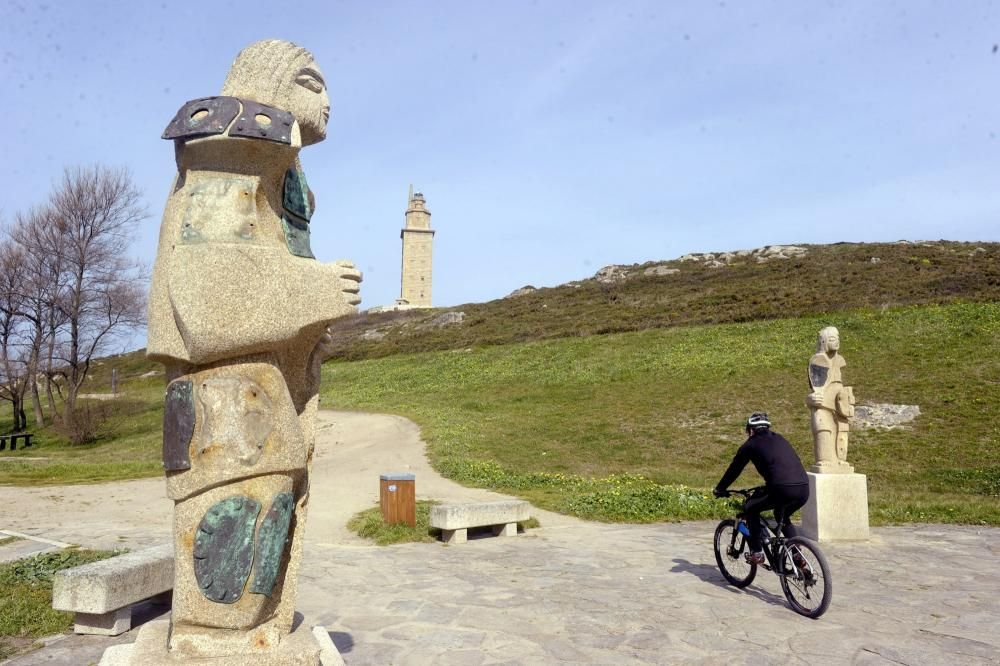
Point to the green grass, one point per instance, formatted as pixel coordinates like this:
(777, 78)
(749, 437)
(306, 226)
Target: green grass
(667, 405)
(6, 540)
(26, 595)
(369, 525)
(128, 443)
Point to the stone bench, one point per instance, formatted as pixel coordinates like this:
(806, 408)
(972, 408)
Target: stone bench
(454, 520)
(101, 593)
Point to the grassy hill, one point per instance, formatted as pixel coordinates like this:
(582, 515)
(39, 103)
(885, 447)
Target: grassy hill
(665, 407)
(624, 400)
(828, 278)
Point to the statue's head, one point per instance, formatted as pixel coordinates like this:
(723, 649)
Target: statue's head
(281, 74)
(829, 340)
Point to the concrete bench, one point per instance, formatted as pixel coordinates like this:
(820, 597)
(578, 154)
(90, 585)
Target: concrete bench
(101, 594)
(454, 520)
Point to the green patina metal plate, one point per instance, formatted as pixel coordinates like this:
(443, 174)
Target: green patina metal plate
(178, 425)
(271, 540)
(296, 200)
(224, 549)
(298, 204)
(818, 375)
(297, 236)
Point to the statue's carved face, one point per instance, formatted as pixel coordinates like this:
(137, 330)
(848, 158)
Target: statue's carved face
(281, 74)
(310, 103)
(829, 339)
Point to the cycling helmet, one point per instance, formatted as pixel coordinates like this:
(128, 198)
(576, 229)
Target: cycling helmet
(758, 421)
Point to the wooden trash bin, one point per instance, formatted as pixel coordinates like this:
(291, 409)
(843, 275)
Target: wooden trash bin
(397, 495)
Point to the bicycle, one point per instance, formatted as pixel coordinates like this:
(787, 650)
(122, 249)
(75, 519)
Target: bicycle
(798, 562)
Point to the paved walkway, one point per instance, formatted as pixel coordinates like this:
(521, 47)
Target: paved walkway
(572, 591)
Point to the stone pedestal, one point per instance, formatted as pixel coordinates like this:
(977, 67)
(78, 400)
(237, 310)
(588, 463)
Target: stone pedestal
(302, 647)
(837, 509)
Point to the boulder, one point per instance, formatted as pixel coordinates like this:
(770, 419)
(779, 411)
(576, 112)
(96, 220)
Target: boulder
(612, 273)
(526, 289)
(446, 319)
(883, 415)
(660, 270)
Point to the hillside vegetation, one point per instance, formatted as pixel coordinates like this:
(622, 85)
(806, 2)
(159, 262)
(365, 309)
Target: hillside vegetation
(624, 400)
(602, 426)
(828, 278)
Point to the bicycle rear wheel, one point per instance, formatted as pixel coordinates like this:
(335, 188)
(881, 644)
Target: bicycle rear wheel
(730, 547)
(806, 583)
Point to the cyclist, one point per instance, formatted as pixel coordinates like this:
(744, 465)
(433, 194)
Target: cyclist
(786, 484)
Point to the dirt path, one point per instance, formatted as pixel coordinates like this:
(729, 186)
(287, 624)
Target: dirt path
(352, 450)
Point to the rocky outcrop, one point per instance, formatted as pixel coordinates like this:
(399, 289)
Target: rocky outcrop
(447, 319)
(612, 273)
(660, 270)
(617, 273)
(760, 254)
(883, 415)
(526, 289)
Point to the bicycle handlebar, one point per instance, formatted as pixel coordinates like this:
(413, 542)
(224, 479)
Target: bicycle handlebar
(746, 492)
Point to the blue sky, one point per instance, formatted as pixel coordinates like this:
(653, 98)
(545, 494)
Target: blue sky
(549, 138)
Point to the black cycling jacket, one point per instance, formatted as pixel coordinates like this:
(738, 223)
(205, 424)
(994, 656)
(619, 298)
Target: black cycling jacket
(774, 458)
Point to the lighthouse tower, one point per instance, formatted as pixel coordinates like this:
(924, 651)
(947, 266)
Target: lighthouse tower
(418, 238)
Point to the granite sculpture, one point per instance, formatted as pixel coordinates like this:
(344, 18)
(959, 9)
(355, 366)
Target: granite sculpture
(238, 314)
(831, 404)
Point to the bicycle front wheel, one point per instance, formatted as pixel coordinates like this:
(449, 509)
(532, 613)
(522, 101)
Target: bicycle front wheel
(806, 580)
(730, 548)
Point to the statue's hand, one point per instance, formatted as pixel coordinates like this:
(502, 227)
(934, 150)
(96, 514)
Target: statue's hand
(350, 278)
(323, 349)
(815, 399)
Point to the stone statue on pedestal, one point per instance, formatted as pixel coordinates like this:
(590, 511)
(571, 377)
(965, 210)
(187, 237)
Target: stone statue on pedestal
(831, 403)
(238, 314)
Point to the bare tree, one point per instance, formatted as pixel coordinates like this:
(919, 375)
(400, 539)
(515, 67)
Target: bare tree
(95, 212)
(13, 368)
(41, 282)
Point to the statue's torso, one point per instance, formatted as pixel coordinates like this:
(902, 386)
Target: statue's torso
(235, 274)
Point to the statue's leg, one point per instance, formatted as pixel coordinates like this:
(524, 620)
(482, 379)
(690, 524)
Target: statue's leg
(235, 511)
(824, 440)
(286, 609)
(843, 432)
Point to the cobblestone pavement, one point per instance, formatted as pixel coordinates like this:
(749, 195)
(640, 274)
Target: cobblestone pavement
(609, 594)
(581, 592)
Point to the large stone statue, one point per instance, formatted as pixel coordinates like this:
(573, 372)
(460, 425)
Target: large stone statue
(238, 314)
(831, 403)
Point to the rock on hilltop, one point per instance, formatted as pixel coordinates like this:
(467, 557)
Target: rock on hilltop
(773, 282)
(617, 272)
